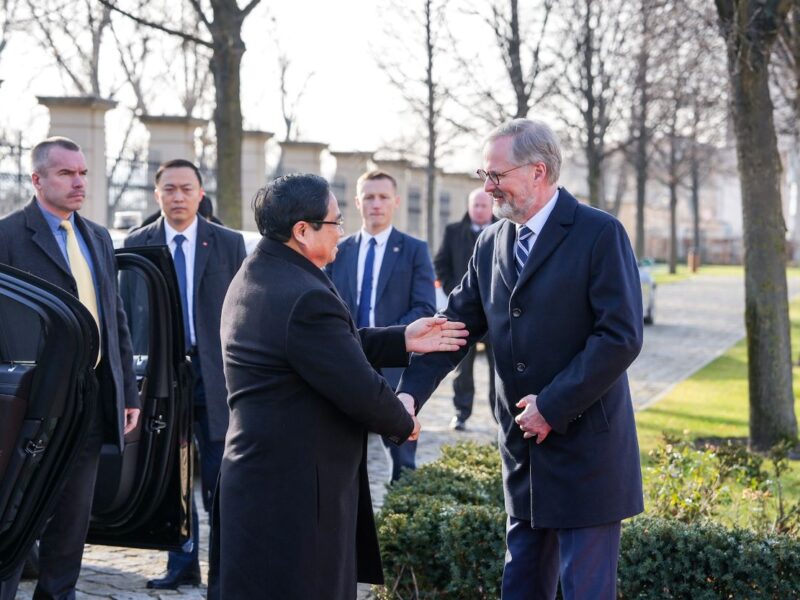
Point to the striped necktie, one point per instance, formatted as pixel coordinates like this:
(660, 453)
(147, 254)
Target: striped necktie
(82, 276)
(522, 248)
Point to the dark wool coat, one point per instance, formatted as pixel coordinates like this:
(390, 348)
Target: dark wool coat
(295, 515)
(567, 329)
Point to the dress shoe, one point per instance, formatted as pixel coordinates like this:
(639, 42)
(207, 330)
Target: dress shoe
(172, 579)
(458, 424)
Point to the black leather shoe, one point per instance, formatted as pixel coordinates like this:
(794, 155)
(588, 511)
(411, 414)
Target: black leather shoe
(172, 579)
(458, 424)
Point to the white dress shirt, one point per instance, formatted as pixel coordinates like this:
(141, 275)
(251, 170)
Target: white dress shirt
(190, 233)
(381, 240)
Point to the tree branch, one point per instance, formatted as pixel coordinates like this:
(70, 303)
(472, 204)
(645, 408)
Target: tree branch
(158, 26)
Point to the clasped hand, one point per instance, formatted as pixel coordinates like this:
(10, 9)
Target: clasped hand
(531, 421)
(408, 402)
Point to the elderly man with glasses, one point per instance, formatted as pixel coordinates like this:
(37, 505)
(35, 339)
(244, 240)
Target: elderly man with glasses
(555, 286)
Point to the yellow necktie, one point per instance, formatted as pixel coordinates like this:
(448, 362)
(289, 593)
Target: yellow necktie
(82, 275)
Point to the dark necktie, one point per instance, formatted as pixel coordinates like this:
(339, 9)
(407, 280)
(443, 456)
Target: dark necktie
(522, 247)
(180, 270)
(366, 287)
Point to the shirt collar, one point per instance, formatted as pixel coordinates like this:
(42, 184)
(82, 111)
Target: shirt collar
(380, 238)
(537, 221)
(190, 233)
(53, 221)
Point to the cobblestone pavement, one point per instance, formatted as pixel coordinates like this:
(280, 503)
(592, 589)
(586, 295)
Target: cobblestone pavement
(696, 320)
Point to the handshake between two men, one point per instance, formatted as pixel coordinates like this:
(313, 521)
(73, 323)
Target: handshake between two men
(431, 334)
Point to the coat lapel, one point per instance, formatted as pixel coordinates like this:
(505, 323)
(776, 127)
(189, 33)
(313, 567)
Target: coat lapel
(43, 237)
(394, 247)
(552, 234)
(202, 249)
(504, 249)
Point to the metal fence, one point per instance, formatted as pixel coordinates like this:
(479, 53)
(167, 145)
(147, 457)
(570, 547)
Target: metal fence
(15, 181)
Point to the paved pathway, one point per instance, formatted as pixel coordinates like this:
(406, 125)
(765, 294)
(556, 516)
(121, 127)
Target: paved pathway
(696, 320)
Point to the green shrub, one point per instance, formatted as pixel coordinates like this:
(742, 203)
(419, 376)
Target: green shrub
(662, 559)
(442, 532)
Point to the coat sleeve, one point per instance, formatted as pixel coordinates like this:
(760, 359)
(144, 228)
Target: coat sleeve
(322, 348)
(616, 302)
(423, 292)
(384, 347)
(131, 390)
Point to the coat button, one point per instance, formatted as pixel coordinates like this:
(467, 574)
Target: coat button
(520, 367)
(516, 312)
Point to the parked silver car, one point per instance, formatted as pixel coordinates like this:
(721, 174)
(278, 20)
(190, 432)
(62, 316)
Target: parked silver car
(648, 290)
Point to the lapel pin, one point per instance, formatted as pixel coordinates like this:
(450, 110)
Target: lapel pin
(205, 243)
(396, 249)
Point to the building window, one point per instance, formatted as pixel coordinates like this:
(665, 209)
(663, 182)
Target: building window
(414, 211)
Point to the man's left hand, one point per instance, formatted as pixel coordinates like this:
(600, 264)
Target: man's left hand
(531, 421)
(435, 334)
(131, 419)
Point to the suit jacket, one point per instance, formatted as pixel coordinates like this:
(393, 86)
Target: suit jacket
(27, 243)
(219, 253)
(405, 289)
(566, 330)
(453, 255)
(295, 511)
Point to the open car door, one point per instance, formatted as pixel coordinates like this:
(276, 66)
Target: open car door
(48, 348)
(142, 496)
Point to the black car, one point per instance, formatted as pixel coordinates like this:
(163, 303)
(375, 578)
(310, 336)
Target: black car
(48, 346)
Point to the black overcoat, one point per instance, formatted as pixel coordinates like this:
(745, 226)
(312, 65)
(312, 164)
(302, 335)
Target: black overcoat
(295, 515)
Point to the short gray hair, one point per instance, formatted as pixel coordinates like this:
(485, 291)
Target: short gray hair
(41, 151)
(533, 141)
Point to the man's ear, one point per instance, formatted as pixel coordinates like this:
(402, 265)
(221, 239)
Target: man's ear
(299, 231)
(540, 171)
(36, 179)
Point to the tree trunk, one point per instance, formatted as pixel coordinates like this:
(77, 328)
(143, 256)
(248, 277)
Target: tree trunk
(641, 124)
(673, 227)
(772, 416)
(225, 66)
(430, 202)
(695, 191)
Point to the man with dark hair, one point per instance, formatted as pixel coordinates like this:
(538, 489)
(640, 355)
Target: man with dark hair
(555, 286)
(451, 263)
(385, 277)
(49, 239)
(295, 517)
(206, 258)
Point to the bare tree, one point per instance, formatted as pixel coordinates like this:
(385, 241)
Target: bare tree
(416, 75)
(73, 34)
(8, 12)
(520, 41)
(290, 102)
(593, 88)
(750, 28)
(224, 27)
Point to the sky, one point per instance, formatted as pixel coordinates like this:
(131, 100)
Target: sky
(348, 101)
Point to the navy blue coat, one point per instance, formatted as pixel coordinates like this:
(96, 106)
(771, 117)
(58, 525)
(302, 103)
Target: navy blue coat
(28, 244)
(219, 253)
(567, 330)
(405, 283)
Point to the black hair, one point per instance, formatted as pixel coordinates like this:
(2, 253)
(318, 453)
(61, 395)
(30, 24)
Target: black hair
(288, 199)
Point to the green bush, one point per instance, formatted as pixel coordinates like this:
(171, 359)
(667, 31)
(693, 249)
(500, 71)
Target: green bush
(662, 559)
(442, 532)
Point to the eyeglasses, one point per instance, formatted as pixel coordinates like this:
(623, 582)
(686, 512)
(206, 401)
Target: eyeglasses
(339, 223)
(495, 177)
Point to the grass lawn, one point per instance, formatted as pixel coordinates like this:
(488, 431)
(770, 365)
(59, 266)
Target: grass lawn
(661, 272)
(714, 403)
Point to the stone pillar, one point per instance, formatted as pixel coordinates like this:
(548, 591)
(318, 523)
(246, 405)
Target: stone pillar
(254, 172)
(82, 119)
(170, 137)
(399, 169)
(349, 167)
(300, 157)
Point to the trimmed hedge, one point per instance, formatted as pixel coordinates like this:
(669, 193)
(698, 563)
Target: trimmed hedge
(442, 532)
